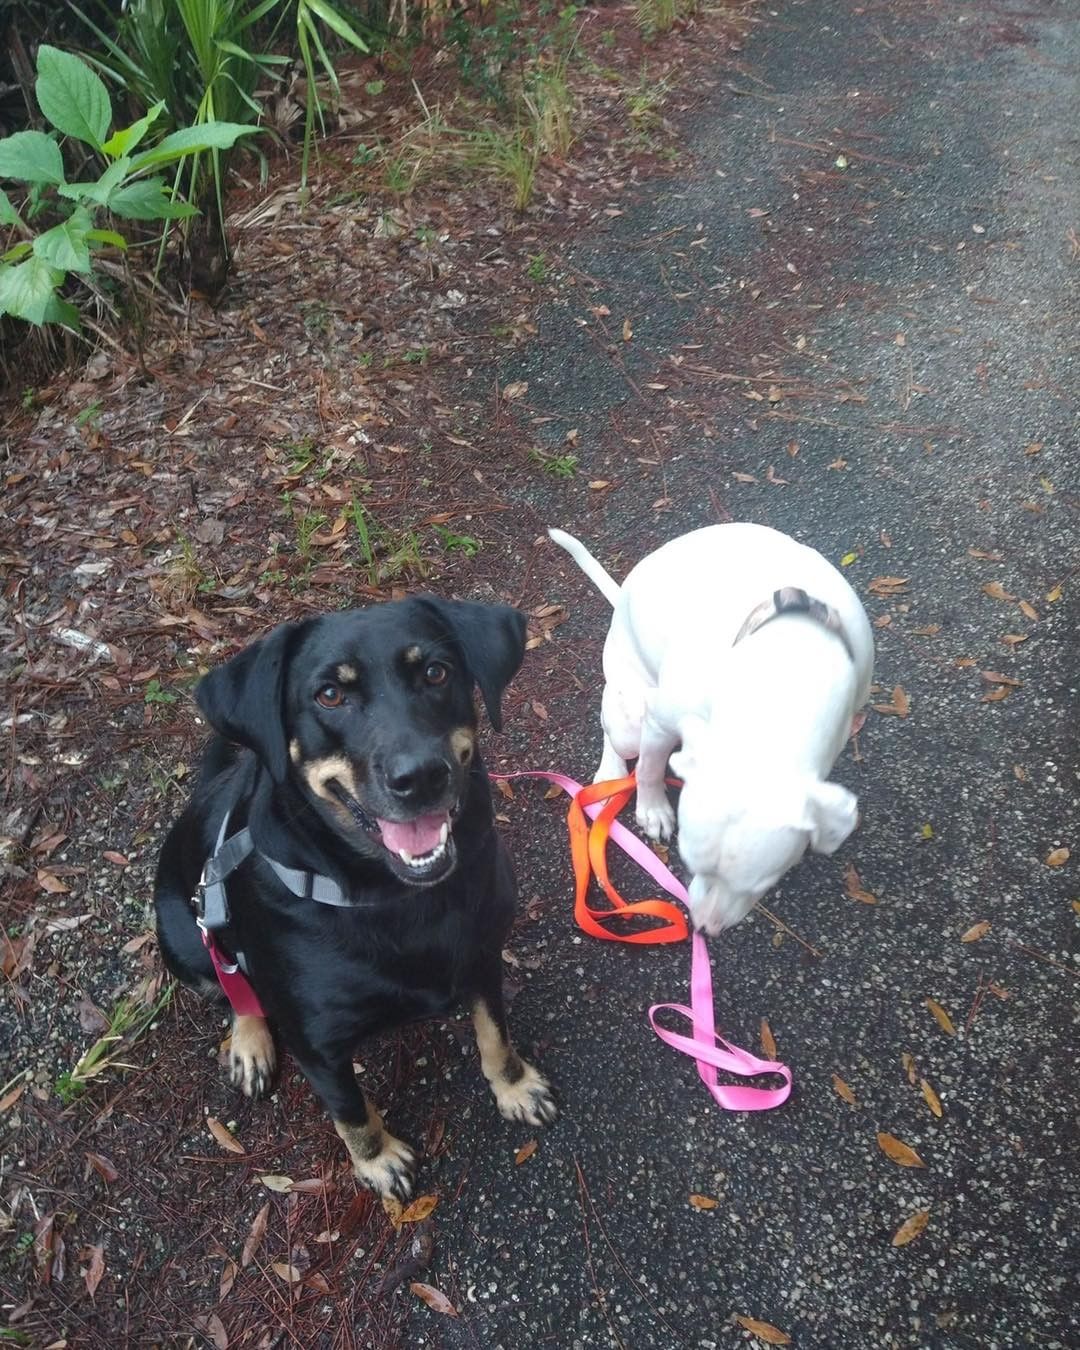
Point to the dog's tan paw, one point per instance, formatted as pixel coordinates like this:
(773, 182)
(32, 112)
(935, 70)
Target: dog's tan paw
(655, 816)
(390, 1171)
(529, 1098)
(252, 1056)
(380, 1161)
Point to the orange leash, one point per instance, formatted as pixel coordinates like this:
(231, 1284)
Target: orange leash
(588, 849)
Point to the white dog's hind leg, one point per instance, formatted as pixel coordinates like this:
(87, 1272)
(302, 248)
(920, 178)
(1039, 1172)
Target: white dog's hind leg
(655, 814)
(622, 709)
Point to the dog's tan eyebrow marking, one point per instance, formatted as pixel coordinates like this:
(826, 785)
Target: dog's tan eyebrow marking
(295, 752)
(346, 673)
(413, 655)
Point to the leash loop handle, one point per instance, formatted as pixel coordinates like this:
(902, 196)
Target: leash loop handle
(602, 802)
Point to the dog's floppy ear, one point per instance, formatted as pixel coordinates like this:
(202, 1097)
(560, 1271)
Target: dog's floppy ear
(243, 700)
(491, 638)
(832, 812)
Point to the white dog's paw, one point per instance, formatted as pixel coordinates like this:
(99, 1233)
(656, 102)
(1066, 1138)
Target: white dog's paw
(655, 815)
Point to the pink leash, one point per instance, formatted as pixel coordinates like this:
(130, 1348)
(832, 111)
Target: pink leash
(708, 1049)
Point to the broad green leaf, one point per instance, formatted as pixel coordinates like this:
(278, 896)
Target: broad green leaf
(147, 200)
(32, 157)
(8, 214)
(333, 20)
(27, 289)
(72, 96)
(121, 142)
(188, 140)
(65, 246)
(107, 237)
(98, 192)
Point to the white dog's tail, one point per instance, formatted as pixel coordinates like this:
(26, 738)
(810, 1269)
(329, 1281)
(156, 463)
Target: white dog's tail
(603, 581)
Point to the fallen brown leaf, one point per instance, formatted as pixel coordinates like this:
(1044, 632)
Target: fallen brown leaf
(996, 591)
(290, 1274)
(927, 630)
(933, 1101)
(909, 1068)
(899, 707)
(976, 931)
(1057, 857)
(910, 1229)
(768, 1041)
(256, 1233)
(764, 1331)
(436, 1301)
(842, 1090)
(1053, 595)
(996, 695)
(898, 1151)
(943, 1019)
(526, 1151)
(224, 1136)
(1029, 611)
(102, 1166)
(210, 1325)
(984, 556)
(273, 1182)
(95, 1269)
(886, 586)
(703, 1201)
(419, 1210)
(854, 885)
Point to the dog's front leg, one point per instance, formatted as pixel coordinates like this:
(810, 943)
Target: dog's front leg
(655, 813)
(521, 1091)
(379, 1160)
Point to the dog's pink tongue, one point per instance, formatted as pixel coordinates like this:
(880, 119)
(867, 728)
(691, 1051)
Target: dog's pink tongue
(416, 837)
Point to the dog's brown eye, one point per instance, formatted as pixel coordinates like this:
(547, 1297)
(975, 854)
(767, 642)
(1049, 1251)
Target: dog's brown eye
(436, 673)
(330, 696)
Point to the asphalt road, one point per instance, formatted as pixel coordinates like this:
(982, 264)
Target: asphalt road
(879, 229)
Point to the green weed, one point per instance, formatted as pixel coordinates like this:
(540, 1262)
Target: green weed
(461, 543)
(127, 1022)
(558, 466)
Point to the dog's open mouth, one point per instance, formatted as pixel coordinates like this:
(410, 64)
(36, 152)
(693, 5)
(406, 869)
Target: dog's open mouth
(420, 851)
(422, 844)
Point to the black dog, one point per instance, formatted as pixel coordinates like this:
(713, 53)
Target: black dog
(375, 890)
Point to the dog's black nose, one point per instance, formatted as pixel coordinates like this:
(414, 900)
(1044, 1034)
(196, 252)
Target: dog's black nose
(417, 780)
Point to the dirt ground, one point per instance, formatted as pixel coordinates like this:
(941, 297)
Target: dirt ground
(813, 266)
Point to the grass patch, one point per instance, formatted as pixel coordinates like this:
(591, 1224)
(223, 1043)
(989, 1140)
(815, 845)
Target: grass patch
(128, 1022)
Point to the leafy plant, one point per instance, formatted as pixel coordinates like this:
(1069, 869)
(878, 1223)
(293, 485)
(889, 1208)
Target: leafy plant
(537, 269)
(203, 60)
(654, 17)
(90, 415)
(558, 466)
(76, 103)
(157, 693)
(127, 1022)
(462, 543)
(307, 527)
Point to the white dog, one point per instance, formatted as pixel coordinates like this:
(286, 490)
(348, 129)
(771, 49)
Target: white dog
(753, 654)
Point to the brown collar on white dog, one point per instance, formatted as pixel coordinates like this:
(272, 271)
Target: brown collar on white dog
(792, 600)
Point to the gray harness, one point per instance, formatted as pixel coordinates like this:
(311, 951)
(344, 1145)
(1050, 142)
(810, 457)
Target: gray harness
(792, 600)
(211, 900)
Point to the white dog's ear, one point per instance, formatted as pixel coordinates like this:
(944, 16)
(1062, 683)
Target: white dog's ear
(832, 813)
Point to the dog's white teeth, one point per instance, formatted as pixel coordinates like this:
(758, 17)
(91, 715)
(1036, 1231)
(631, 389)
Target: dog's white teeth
(425, 859)
(444, 833)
